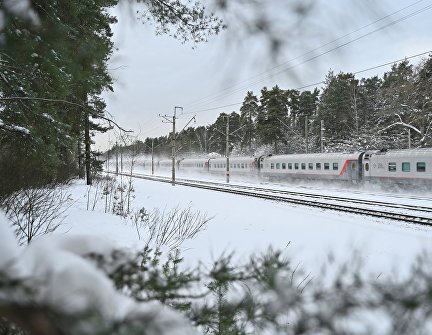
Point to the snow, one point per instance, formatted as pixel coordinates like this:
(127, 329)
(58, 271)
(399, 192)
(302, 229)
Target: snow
(9, 250)
(248, 225)
(16, 128)
(23, 9)
(63, 279)
(313, 238)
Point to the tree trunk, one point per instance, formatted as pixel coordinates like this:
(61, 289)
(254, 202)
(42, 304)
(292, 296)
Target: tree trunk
(87, 148)
(81, 171)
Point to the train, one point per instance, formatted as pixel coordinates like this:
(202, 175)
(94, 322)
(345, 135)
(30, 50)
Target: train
(407, 167)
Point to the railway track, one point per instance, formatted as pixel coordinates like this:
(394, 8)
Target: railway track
(421, 215)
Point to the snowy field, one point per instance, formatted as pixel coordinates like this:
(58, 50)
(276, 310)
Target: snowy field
(312, 238)
(245, 225)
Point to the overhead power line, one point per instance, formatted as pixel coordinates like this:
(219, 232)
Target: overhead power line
(236, 88)
(321, 82)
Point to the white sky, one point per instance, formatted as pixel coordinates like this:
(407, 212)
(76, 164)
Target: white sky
(155, 73)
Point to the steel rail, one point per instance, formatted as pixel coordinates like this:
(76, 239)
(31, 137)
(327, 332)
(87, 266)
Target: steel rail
(326, 197)
(427, 221)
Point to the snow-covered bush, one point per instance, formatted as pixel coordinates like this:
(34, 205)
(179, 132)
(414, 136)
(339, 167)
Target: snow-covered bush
(54, 286)
(85, 285)
(170, 227)
(36, 211)
(167, 228)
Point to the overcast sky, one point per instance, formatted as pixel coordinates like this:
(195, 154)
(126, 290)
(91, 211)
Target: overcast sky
(155, 73)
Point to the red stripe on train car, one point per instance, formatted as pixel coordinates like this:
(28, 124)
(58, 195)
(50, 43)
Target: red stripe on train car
(344, 167)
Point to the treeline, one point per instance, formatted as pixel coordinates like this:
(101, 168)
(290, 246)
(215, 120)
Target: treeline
(52, 74)
(53, 59)
(392, 112)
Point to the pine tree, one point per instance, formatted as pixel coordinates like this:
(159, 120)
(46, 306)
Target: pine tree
(337, 106)
(248, 114)
(272, 115)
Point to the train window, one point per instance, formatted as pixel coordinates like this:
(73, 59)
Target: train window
(392, 167)
(367, 166)
(277, 165)
(353, 166)
(421, 167)
(303, 166)
(289, 166)
(261, 165)
(406, 166)
(326, 166)
(272, 166)
(296, 166)
(242, 166)
(283, 166)
(310, 166)
(335, 166)
(318, 166)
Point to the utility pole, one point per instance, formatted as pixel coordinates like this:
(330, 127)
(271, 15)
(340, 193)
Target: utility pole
(250, 133)
(205, 140)
(121, 159)
(409, 138)
(227, 150)
(173, 141)
(227, 134)
(152, 161)
(322, 135)
(306, 133)
(117, 160)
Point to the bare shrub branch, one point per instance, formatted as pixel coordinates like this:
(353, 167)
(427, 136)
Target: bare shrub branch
(169, 228)
(36, 211)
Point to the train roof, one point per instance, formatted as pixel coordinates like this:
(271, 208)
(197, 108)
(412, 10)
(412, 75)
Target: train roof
(235, 158)
(202, 159)
(330, 155)
(420, 152)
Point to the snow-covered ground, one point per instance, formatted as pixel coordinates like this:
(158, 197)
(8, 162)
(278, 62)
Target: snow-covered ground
(245, 225)
(311, 237)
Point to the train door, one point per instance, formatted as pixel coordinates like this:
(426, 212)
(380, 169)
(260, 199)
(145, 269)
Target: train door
(352, 170)
(366, 173)
(360, 167)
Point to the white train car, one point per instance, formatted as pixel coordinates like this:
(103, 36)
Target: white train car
(410, 166)
(237, 165)
(148, 165)
(320, 166)
(194, 165)
(164, 164)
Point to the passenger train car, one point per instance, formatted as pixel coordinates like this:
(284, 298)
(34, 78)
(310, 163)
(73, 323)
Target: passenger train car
(324, 166)
(377, 166)
(399, 166)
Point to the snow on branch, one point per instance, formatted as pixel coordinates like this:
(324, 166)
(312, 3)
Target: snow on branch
(400, 123)
(110, 121)
(51, 275)
(22, 9)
